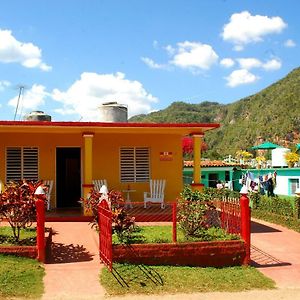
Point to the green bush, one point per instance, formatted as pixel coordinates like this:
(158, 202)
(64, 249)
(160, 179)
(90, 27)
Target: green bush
(193, 209)
(214, 193)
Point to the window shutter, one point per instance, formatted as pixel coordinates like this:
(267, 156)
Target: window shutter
(127, 164)
(13, 164)
(30, 164)
(142, 164)
(134, 164)
(21, 163)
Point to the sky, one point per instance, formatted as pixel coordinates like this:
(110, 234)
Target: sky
(67, 57)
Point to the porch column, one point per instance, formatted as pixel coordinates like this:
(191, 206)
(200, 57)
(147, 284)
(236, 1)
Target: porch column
(197, 139)
(87, 166)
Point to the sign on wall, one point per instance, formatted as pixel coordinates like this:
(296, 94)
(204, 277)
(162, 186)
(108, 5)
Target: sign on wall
(165, 156)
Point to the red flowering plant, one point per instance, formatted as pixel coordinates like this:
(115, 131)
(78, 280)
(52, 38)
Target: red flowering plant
(122, 223)
(17, 205)
(188, 147)
(194, 209)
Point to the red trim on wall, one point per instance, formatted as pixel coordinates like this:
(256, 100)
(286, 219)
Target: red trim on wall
(107, 124)
(87, 185)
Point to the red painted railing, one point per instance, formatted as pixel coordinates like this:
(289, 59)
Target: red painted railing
(40, 229)
(105, 233)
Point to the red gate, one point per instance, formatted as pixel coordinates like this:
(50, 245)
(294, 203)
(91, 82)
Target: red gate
(105, 233)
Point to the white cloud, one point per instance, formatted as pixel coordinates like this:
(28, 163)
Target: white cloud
(249, 63)
(272, 64)
(289, 43)
(194, 56)
(152, 64)
(31, 99)
(92, 89)
(227, 62)
(14, 51)
(4, 84)
(244, 28)
(170, 49)
(239, 77)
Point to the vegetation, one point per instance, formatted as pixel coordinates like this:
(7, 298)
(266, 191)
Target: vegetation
(292, 158)
(243, 122)
(171, 280)
(193, 209)
(17, 205)
(27, 237)
(20, 277)
(122, 223)
(163, 234)
(283, 211)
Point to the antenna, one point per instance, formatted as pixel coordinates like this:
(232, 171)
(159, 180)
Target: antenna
(21, 91)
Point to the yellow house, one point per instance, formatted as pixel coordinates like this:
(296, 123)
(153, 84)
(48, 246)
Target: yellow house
(73, 154)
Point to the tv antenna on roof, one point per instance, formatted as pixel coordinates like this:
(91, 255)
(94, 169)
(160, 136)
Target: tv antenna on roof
(21, 93)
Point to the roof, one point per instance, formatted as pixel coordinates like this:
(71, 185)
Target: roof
(106, 127)
(211, 163)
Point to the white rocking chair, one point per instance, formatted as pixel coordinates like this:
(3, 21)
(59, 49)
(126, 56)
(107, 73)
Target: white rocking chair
(49, 184)
(98, 184)
(157, 190)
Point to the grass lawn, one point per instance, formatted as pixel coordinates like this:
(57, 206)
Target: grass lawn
(163, 234)
(171, 280)
(27, 236)
(20, 277)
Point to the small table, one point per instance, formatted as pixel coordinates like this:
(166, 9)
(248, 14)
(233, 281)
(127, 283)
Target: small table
(128, 201)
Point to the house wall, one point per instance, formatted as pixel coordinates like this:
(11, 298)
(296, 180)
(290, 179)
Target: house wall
(105, 157)
(283, 178)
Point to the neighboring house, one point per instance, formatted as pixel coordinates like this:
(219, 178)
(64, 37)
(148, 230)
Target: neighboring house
(214, 171)
(74, 153)
(287, 179)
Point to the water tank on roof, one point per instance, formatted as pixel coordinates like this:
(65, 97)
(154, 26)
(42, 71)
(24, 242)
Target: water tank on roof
(113, 112)
(278, 159)
(37, 116)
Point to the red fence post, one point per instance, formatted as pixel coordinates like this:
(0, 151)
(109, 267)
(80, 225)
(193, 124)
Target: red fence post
(245, 225)
(174, 219)
(40, 229)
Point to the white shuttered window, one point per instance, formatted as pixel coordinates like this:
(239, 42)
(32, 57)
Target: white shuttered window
(22, 163)
(135, 164)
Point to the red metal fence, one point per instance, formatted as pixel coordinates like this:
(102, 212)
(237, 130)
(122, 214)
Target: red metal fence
(40, 230)
(105, 233)
(233, 215)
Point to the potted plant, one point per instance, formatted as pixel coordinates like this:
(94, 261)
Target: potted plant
(291, 158)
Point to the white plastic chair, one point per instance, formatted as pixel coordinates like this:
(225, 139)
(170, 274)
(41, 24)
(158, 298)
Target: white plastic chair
(49, 184)
(156, 195)
(98, 184)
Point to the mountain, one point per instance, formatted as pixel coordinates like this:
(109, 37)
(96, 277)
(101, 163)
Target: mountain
(273, 114)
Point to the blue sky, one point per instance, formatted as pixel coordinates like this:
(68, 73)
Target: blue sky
(71, 56)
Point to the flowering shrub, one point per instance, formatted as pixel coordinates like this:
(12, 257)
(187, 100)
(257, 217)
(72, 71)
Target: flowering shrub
(122, 223)
(291, 158)
(194, 209)
(17, 205)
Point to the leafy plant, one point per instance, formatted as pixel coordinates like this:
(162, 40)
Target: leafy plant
(193, 210)
(122, 223)
(291, 158)
(17, 205)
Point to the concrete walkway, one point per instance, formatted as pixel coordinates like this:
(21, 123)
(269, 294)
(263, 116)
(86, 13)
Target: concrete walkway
(276, 253)
(73, 270)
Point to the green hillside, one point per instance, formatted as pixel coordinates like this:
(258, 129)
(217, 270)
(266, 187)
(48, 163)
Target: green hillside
(272, 114)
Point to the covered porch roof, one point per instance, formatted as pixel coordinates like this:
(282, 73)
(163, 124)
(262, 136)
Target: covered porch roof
(182, 129)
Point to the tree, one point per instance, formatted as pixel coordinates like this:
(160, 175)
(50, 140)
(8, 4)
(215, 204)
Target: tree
(188, 147)
(17, 205)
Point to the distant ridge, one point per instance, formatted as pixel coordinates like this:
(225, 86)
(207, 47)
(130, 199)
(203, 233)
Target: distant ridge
(272, 114)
